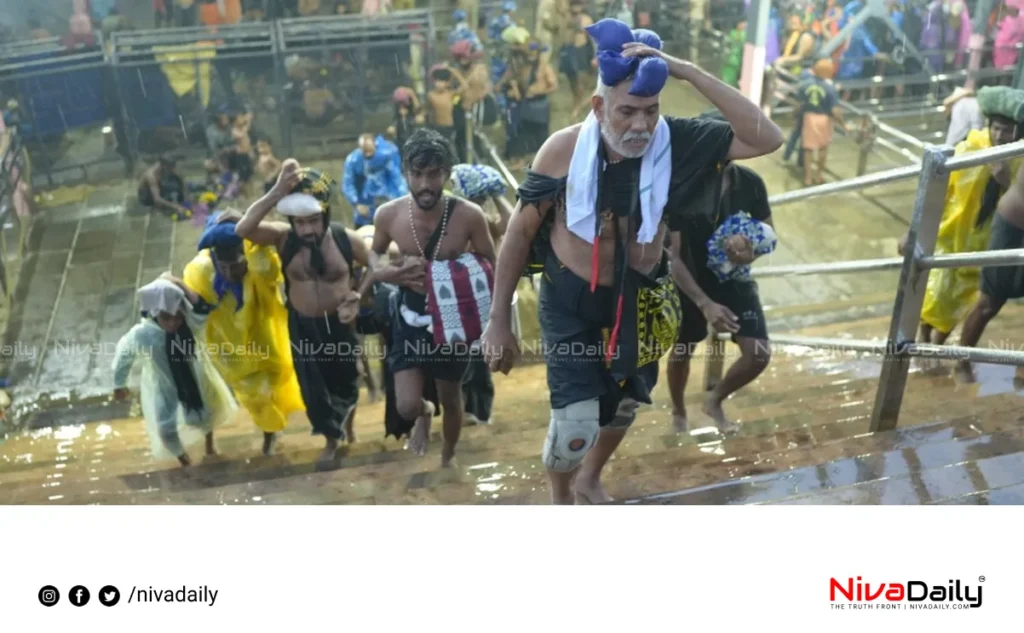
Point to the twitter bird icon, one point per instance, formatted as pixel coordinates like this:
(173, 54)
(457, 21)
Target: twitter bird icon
(109, 596)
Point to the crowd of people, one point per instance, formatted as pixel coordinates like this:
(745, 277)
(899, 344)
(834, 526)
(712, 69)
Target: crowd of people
(641, 228)
(422, 273)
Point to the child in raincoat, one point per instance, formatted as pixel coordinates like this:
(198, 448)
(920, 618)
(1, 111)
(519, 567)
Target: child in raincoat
(247, 330)
(971, 199)
(180, 388)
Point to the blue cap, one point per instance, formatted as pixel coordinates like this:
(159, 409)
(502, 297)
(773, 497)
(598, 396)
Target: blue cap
(509, 5)
(459, 15)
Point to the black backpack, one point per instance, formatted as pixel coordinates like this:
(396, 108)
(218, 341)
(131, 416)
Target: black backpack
(293, 244)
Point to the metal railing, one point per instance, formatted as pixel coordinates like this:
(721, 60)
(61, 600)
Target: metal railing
(918, 259)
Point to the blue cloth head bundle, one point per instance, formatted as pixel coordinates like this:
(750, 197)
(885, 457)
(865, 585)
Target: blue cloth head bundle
(220, 238)
(649, 73)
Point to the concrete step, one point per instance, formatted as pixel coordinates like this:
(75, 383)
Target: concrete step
(934, 462)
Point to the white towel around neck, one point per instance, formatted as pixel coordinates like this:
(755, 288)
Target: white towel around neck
(581, 185)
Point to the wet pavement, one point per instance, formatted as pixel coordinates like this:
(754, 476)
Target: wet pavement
(803, 438)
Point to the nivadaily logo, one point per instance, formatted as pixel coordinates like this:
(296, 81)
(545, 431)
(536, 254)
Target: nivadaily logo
(913, 594)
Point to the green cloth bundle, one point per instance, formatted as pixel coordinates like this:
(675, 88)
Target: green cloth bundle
(1002, 101)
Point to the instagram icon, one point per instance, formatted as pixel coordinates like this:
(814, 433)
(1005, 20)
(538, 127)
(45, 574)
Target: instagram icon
(49, 596)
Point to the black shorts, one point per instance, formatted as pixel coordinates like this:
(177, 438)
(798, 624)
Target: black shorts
(414, 348)
(324, 357)
(739, 296)
(572, 323)
(1003, 282)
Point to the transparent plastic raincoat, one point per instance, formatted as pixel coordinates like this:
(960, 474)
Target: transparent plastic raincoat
(169, 427)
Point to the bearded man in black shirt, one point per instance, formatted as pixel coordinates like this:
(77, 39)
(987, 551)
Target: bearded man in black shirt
(592, 220)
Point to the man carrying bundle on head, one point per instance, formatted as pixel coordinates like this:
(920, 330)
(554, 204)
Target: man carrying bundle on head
(444, 294)
(592, 217)
(317, 257)
(247, 330)
(968, 219)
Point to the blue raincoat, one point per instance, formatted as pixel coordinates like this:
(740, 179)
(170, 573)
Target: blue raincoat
(366, 180)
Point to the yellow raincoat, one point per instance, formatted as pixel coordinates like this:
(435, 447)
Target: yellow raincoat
(250, 346)
(951, 292)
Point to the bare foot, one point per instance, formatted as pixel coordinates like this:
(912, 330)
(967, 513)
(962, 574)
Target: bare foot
(420, 436)
(590, 493)
(468, 419)
(329, 454)
(447, 458)
(211, 447)
(374, 396)
(184, 460)
(269, 443)
(680, 424)
(964, 373)
(713, 409)
(350, 430)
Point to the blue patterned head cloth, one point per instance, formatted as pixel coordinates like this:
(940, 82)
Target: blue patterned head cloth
(222, 236)
(762, 238)
(459, 15)
(509, 6)
(476, 181)
(649, 73)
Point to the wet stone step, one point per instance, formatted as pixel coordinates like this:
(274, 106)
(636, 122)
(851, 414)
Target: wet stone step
(810, 481)
(934, 485)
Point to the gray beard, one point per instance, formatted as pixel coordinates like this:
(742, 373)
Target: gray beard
(616, 144)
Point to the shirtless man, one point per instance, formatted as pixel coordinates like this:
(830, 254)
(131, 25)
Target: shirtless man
(163, 189)
(592, 404)
(426, 225)
(998, 283)
(441, 102)
(317, 258)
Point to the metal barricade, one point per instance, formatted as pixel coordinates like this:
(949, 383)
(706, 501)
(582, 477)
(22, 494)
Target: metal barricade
(332, 92)
(173, 84)
(64, 106)
(919, 258)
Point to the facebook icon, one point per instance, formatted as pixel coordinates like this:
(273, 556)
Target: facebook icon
(79, 596)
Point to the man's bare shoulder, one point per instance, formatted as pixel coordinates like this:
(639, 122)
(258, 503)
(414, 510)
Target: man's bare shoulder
(469, 210)
(555, 154)
(387, 211)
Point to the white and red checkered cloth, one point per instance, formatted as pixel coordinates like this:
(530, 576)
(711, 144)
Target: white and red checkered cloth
(459, 298)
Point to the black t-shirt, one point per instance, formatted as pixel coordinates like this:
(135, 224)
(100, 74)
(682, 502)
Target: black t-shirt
(709, 206)
(698, 145)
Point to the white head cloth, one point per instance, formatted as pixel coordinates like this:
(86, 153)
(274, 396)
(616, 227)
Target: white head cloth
(299, 205)
(161, 296)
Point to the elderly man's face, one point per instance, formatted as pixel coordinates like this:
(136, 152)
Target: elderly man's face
(627, 121)
(367, 147)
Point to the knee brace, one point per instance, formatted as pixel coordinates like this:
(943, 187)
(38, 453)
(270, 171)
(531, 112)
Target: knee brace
(571, 435)
(625, 414)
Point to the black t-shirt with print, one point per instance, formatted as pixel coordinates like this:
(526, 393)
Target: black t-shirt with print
(708, 206)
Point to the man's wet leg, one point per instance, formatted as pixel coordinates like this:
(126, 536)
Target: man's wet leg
(412, 406)
(678, 375)
(588, 486)
(269, 442)
(450, 395)
(754, 358)
(572, 433)
(981, 314)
